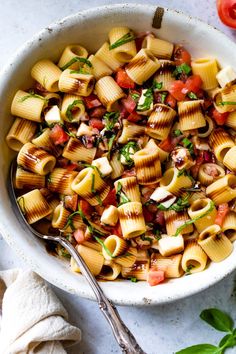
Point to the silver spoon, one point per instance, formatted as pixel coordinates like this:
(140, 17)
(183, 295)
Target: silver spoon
(122, 334)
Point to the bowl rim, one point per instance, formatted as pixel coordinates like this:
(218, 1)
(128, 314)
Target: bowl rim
(29, 260)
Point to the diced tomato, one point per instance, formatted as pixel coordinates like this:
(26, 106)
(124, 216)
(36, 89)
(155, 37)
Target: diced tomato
(220, 118)
(85, 207)
(159, 218)
(208, 156)
(178, 90)
(123, 79)
(148, 216)
(129, 173)
(129, 104)
(110, 198)
(79, 236)
(58, 135)
(72, 166)
(92, 101)
(167, 144)
(155, 277)
(96, 123)
(181, 55)
(170, 101)
(227, 12)
(97, 112)
(134, 117)
(71, 202)
(117, 230)
(222, 211)
(193, 83)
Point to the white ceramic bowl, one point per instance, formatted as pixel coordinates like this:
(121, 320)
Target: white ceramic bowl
(90, 29)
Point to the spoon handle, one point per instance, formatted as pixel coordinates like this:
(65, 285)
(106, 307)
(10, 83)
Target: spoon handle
(122, 334)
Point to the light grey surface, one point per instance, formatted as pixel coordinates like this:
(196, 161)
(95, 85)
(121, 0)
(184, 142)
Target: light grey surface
(162, 329)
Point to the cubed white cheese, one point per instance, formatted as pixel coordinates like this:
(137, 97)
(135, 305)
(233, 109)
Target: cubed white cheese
(103, 165)
(84, 129)
(141, 102)
(131, 152)
(110, 216)
(169, 245)
(226, 75)
(162, 196)
(53, 116)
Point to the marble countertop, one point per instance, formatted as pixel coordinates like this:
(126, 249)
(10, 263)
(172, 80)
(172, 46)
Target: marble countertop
(161, 329)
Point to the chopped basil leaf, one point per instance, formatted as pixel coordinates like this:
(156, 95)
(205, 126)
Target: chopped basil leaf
(122, 196)
(111, 118)
(147, 102)
(125, 151)
(133, 279)
(30, 95)
(189, 222)
(185, 173)
(93, 190)
(163, 97)
(21, 203)
(192, 95)
(226, 103)
(104, 246)
(182, 69)
(157, 85)
(189, 145)
(135, 96)
(178, 132)
(70, 108)
(180, 205)
(75, 60)
(189, 268)
(128, 37)
(146, 238)
(80, 71)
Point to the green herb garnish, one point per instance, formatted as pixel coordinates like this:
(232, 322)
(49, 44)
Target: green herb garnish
(178, 132)
(122, 196)
(146, 238)
(104, 246)
(163, 97)
(75, 60)
(179, 206)
(21, 203)
(182, 69)
(192, 95)
(135, 96)
(221, 322)
(147, 102)
(69, 109)
(80, 71)
(128, 37)
(184, 172)
(125, 151)
(133, 279)
(93, 190)
(157, 85)
(188, 145)
(30, 95)
(226, 103)
(111, 118)
(189, 268)
(192, 221)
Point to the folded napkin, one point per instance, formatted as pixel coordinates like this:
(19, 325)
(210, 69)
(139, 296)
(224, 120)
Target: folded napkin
(33, 320)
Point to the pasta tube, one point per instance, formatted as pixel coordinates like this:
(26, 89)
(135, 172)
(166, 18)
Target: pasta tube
(26, 179)
(70, 58)
(158, 47)
(113, 246)
(220, 142)
(131, 219)
(129, 187)
(76, 151)
(108, 92)
(204, 211)
(60, 180)
(140, 268)
(21, 132)
(207, 69)
(125, 52)
(147, 166)
(170, 265)
(194, 258)
(223, 190)
(93, 259)
(77, 83)
(47, 74)
(28, 106)
(190, 115)
(210, 172)
(160, 121)
(72, 108)
(229, 226)
(174, 180)
(110, 270)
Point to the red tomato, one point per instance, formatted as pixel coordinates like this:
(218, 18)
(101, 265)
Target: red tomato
(167, 144)
(129, 104)
(134, 117)
(219, 118)
(181, 55)
(92, 101)
(97, 112)
(123, 79)
(227, 12)
(79, 236)
(155, 277)
(110, 198)
(85, 207)
(58, 135)
(72, 166)
(170, 101)
(178, 90)
(193, 83)
(96, 123)
(222, 211)
(117, 230)
(71, 202)
(148, 216)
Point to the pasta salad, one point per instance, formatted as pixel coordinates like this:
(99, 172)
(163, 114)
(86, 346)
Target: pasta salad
(130, 153)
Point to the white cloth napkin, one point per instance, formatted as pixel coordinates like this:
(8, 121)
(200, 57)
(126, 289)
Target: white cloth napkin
(33, 320)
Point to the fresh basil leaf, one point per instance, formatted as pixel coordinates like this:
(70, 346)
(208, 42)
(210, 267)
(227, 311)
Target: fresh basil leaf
(111, 118)
(188, 145)
(182, 69)
(75, 60)
(147, 102)
(217, 319)
(135, 96)
(157, 85)
(70, 108)
(200, 349)
(104, 246)
(128, 37)
(178, 132)
(192, 95)
(226, 103)
(123, 198)
(133, 279)
(30, 95)
(227, 341)
(163, 97)
(125, 151)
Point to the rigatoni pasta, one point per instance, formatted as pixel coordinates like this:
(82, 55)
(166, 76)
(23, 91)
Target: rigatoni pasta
(130, 154)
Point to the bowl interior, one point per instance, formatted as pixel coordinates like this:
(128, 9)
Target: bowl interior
(90, 28)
